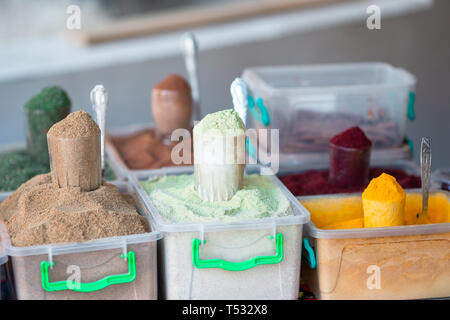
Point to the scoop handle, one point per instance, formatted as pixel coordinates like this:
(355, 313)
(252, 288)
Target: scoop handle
(425, 165)
(99, 100)
(189, 48)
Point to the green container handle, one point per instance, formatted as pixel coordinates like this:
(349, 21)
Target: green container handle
(237, 266)
(93, 286)
(261, 115)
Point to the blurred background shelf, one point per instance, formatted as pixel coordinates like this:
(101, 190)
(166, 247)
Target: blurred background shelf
(33, 55)
(49, 49)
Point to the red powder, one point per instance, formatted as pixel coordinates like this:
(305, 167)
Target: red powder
(351, 138)
(316, 182)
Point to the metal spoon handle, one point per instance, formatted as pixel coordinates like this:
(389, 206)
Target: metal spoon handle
(189, 48)
(425, 165)
(99, 100)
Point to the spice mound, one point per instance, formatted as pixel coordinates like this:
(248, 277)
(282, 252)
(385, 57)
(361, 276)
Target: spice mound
(143, 150)
(383, 203)
(351, 138)
(176, 199)
(384, 188)
(315, 182)
(225, 122)
(76, 124)
(41, 213)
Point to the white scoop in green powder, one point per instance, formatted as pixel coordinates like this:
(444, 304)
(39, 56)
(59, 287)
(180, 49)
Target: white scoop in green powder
(177, 201)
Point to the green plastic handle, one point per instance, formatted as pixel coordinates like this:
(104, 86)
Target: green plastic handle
(237, 266)
(93, 286)
(263, 114)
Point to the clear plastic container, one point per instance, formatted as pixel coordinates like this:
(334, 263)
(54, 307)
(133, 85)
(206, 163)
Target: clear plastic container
(441, 179)
(310, 104)
(99, 265)
(115, 160)
(409, 167)
(3, 261)
(406, 262)
(228, 247)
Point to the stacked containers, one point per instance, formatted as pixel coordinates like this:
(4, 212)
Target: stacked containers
(310, 104)
(253, 259)
(406, 262)
(115, 268)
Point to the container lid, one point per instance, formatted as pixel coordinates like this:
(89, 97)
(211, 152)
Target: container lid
(312, 231)
(408, 166)
(442, 178)
(301, 215)
(377, 155)
(366, 76)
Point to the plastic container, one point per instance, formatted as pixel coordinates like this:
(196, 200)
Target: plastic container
(407, 166)
(253, 259)
(3, 261)
(103, 273)
(309, 104)
(405, 262)
(441, 179)
(116, 162)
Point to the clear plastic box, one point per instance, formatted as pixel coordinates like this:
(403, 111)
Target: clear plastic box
(229, 244)
(410, 167)
(101, 263)
(3, 261)
(441, 179)
(406, 262)
(115, 160)
(312, 103)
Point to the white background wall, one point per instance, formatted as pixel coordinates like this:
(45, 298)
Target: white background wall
(418, 42)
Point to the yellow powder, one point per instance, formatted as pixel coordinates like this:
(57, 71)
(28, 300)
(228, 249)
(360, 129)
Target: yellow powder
(383, 203)
(346, 212)
(384, 188)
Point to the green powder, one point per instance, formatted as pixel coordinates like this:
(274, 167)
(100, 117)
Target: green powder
(177, 201)
(17, 167)
(226, 122)
(43, 110)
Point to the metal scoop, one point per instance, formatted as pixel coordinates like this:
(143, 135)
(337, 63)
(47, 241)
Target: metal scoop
(99, 100)
(189, 48)
(425, 165)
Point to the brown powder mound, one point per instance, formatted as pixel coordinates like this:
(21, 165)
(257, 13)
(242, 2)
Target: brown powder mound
(76, 124)
(41, 213)
(143, 150)
(9, 206)
(174, 82)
